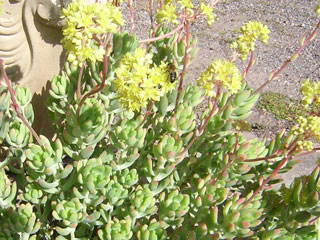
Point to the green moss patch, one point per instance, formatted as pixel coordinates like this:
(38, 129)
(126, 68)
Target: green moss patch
(281, 106)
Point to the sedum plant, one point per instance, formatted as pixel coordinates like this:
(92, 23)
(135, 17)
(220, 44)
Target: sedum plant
(134, 157)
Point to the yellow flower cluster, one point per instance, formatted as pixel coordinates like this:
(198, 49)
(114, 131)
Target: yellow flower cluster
(251, 32)
(169, 11)
(222, 72)
(83, 22)
(311, 93)
(208, 12)
(318, 10)
(138, 81)
(307, 127)
(167, 14)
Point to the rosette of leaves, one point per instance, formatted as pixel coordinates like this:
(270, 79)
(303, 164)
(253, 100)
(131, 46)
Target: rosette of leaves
(155, 230)
(44, 165)
(23, 98)
(8, 191)
(172, 207)
(192, 95)
(182, 122)
(5, 233)
(235, 218)
(173, 48)
(239, 105)
(209, 192)
(69, 213)
(34, 194)
(115, 192)
(19, 135)
(116, 229)
(129, 134)
(93, 177)
(61, 94)
(82, 133)
(166, 156)
(22, 221)
(293, 208)
(128, 177)
(142, 202)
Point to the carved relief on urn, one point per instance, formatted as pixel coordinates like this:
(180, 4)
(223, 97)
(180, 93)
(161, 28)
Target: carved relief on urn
(30, 35)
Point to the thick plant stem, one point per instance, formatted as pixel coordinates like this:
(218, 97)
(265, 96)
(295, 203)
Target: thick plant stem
(15, 104)
(294, 57)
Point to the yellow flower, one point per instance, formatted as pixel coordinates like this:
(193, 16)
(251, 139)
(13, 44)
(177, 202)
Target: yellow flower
(83, 21)
(223, 73)
(318, 10)
(311, 93)
(307, 127)
(167, 13)
(208, 12)
(186, 4)
(138, 81)
(251, 32)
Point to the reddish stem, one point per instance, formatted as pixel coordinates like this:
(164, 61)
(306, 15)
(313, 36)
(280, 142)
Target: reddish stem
(186, 60)
(262, 158)
(162, 36)
(273, 174)
(203, 126)
(292, 147)
(251, 61)
(131, 16)
(297, 53)
(97, 88)
(79, 82)
(16, 107)
(229, 162)
(149, 111)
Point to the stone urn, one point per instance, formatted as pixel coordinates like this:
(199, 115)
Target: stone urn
(30, 35)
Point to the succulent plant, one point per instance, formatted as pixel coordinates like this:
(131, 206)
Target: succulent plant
(177, 166)
(8, 191)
